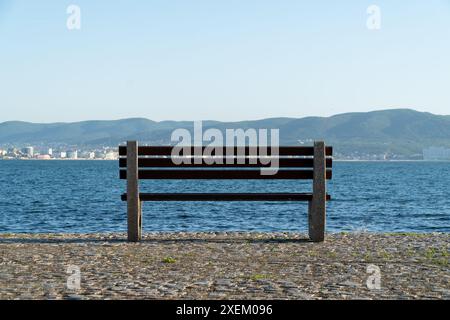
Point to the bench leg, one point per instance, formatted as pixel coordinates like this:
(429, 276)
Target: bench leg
(317, 206)
(134, 204)
(140, 221)
(316, 219)
(135, 222)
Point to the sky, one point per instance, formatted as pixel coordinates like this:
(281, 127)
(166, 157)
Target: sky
(221, 59)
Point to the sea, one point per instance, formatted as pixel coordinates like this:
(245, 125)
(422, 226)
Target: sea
(84, 197)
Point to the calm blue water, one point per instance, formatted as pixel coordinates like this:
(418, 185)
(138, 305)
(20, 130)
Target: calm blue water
(84, 196)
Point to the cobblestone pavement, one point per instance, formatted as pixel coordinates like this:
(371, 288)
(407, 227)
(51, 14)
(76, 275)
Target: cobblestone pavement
(225, 266)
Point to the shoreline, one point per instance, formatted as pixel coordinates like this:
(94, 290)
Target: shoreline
(225, 265)
(336, 160)
(79, 159)
(116, 235)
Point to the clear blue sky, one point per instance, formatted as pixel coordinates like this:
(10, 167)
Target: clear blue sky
(221, 59)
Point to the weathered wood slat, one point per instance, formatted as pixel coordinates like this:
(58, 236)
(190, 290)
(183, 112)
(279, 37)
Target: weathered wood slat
(168, 163)
(283, 151)
(224, 197)
(223, 174)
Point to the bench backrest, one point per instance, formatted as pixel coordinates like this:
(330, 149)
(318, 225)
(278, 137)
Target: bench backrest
(306, 163)
(155, 162)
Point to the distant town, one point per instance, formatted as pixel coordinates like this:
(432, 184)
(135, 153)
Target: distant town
(427, 154)
(111, 153)
(59, 153)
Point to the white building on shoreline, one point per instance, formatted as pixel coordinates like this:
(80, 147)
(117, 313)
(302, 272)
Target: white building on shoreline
(436, 154)
(73, 155)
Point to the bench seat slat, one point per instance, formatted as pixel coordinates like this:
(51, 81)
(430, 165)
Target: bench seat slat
(224, 197)
(224, 174)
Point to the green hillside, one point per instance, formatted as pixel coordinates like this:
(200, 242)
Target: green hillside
(402, 132)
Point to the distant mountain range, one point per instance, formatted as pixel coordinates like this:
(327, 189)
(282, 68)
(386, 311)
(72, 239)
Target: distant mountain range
(402, 132)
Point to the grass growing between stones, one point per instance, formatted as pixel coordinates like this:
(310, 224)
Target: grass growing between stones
(169, 260)
(437, 256)
(385, 255)
(256, 277)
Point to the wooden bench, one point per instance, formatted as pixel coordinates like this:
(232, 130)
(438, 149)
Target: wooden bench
(305, 163)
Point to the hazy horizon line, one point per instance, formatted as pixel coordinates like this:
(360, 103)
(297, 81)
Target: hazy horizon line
(225, 121)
